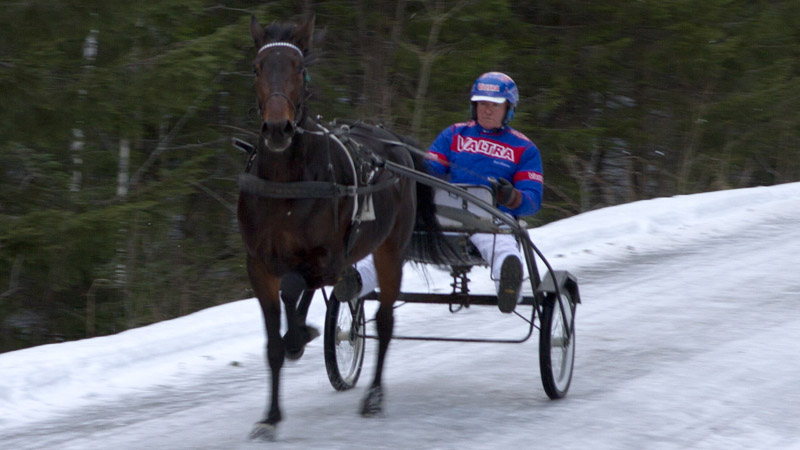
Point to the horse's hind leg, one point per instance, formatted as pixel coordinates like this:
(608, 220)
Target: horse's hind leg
(372, 404)
(298, 334)
(309, 333)
(390, 272)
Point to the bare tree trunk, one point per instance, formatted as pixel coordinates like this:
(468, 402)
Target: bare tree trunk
(690, 149)
(13, 278)
(126, 270)
(376, 55)
(124, 163)
(76, 147)
(123, 264)
(430, 54)
(687, 158)
(388, 89)
(185, 302)
(91, 306)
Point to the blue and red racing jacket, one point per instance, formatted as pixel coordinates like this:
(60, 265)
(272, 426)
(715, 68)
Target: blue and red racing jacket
(468, 153)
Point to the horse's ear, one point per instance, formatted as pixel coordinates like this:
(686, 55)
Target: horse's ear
(257, 31)
(305, 34)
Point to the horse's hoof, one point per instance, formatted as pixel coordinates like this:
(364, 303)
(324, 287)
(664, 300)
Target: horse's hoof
(309, 334)
(372, 405)
(313, 333)
(294, 355)
(264, 432)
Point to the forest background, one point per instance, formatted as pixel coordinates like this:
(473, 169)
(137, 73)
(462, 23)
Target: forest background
(118, 180)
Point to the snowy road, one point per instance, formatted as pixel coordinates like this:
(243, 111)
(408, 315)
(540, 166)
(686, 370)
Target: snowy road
(687, 338)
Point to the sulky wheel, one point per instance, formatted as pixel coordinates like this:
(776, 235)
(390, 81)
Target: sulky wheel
(344, 342)
(556, 344)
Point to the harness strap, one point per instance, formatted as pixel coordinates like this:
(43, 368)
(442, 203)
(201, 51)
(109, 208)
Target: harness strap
(281, 44)
(332, 136)
(252, 184)
(299, 107)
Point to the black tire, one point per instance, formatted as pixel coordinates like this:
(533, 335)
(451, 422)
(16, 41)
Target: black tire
(344, 343)
(556, 347)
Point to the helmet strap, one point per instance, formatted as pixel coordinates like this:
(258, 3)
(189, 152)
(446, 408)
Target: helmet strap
(509, 114)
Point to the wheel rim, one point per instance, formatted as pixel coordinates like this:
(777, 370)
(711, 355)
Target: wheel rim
(349, 341)
(562, 345)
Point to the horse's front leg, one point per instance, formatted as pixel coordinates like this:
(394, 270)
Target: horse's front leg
(298, 334)
(265, 286)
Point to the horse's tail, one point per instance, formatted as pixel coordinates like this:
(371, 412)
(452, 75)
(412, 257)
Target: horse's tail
(429, 243)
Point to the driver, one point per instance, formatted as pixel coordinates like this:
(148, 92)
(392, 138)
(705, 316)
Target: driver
(483, 151)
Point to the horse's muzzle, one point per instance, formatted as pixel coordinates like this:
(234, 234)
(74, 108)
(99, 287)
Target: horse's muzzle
(277, 134)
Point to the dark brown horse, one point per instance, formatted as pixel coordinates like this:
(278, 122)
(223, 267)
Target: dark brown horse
(302, 203)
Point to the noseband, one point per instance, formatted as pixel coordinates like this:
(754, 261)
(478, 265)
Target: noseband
(299, 106)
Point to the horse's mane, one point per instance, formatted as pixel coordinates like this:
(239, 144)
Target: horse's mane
(279, 31)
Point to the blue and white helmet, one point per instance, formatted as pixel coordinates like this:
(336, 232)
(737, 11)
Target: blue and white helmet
(496, 87)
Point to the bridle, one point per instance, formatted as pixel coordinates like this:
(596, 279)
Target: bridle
(298, 108)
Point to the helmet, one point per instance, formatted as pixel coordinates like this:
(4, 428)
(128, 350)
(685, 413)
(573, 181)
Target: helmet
(495, 87)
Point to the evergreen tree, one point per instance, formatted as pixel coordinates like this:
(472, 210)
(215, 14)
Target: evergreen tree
(117, 180)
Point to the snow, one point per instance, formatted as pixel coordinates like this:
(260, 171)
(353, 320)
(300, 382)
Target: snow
(686, 339)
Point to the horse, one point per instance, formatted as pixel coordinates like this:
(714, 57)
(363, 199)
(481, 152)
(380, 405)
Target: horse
(304, 203)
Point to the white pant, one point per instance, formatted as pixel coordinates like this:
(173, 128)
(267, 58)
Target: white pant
(494, 248)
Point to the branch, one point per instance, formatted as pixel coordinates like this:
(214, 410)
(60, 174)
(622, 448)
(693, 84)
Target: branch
(199, 144)
(227, 8)
(559, 193)
(13, 278)
(10, 292)
(215, 196)
(162, 145)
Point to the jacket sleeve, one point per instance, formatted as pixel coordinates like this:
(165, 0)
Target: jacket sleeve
(529, 181)
(438, 162)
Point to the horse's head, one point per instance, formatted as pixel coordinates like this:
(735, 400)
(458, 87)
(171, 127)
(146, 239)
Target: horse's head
(281, 79)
